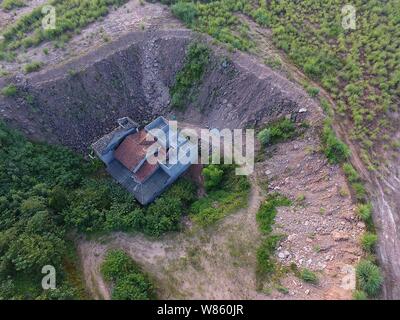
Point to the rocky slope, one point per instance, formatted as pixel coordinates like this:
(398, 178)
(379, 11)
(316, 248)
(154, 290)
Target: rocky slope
(79, 101)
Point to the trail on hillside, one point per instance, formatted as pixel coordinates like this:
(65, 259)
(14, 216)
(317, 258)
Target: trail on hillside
(196, 264)
(383, 186)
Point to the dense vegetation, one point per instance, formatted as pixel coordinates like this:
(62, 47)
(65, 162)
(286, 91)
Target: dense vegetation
(12, 4)
(189, 77)
(226, 192)
(126, 277)
(47, 191)
(35, 181)
(100, 205)
(265, 219)
(359, 68)
(72, 15)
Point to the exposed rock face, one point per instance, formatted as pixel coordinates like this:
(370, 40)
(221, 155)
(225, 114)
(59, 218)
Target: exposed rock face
(79, 101)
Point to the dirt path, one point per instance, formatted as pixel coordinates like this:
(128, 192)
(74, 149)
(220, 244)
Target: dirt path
(208, 264)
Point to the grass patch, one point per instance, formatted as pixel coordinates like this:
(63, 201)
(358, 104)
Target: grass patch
(218, 19)
(278, 131)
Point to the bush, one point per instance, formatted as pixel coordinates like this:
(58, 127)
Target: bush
(364, 211)
(369, 278)
(368, 241)
(9, 91)
(32, 67)
(129, 282)
(186, 11)
(261, 16)
(350, 172)
(359, 191)
(212, 176)
(313, 92)
(266, 213)
(308, 276)
(231, 195)
(265, 218)
(162, 216)
(183, 189)
(335, 149)
(195, 64)
(276, 132)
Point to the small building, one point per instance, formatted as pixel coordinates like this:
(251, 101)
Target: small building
(126, 152)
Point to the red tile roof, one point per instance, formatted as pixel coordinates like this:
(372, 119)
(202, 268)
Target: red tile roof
(132, 151)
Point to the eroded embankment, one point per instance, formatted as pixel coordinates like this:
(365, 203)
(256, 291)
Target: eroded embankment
(77, 102)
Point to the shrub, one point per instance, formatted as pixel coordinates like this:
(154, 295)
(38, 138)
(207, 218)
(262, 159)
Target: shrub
(266, 213)
(32, 67)
(163, 215)
(308, 276)
(368, 241)
(117, 264)
(231, 195)
(276, 132)
(9, 91)
(265, 218)
(350, 172)
(313, 92)
(261, 16)
(369, 278)
(364, 211)
(183, 189)
(359, 191)
(212, 176)
(129, 282)
(186, 11)
(335, 149)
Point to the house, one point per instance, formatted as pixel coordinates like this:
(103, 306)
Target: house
(129, 152)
